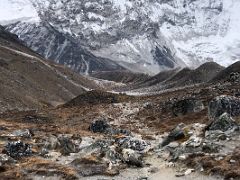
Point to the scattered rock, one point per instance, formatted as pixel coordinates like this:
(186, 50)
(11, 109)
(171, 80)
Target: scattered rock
(6, 159)
(223, 123)
(147, 105)
(133, 143)
(180, 175)
(17, 149)
(132, 158)
(63, 143)
(67, 145)
(234, 77)
(186, 106)
(90, 166)
(188, 171)
(232, 161)
(224, 104)
(153, 170)
(25, 133)
(176, 134)
(143, 178)
(99, 126)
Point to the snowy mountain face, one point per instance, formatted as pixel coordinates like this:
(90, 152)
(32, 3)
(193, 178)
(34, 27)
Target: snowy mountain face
(143, 35)
(15, 10)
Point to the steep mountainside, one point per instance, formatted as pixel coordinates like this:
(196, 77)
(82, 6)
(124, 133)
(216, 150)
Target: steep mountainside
(29, 81)
(144, 36)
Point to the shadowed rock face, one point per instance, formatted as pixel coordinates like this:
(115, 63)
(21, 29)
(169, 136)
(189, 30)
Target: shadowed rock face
(63, 49)
(224, 104)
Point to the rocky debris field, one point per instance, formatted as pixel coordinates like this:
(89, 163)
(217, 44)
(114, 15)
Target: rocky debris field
(191, 133)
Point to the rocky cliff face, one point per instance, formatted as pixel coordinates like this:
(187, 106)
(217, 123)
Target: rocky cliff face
(144, 35)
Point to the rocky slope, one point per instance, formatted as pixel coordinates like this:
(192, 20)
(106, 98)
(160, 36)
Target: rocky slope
(178, 78)
(144, 36)
(29, 81)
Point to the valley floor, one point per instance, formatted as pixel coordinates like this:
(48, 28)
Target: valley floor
(120, 140)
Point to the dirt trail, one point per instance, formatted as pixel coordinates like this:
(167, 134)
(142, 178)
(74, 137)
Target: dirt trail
(162, 172)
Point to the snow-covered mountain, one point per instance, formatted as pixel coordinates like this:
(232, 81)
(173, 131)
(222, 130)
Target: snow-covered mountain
(15, 10)
(142, 35)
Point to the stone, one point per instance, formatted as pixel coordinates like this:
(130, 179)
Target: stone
(90, 166)
(182, 157)
(210, 147)
(224, 104)
(132, 158)
(25, 133)
(133, 143)
(176, 134)
(6, 159)
(186, 106)
(99, 126)
(17, 149)
(188, 171)
(223, 123)
(153, 170)
(67, 145)
(63, 143)
(143, 178)
(173, 145)
(194, 141)
(180, 175)
(234, 77)
(147, 105)
(232, 161)
(117, 131)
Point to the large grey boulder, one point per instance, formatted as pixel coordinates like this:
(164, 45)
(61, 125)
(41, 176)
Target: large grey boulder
(63, 143)
(224, 104)
(223, 123)
(186, 106)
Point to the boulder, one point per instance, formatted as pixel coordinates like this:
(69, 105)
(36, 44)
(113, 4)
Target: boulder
(133, 143)
(99, 126)
(186, 106)
(223, 123)
(25, 133)
(132, 158)
(63, 143)
(6, 159)
(17, 149)
(222, 104)
(176, 134)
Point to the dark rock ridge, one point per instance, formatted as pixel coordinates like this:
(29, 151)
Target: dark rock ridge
(225, 74)
(178, 77)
